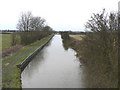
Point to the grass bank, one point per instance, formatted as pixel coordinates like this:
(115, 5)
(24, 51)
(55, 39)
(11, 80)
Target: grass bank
(11, 74)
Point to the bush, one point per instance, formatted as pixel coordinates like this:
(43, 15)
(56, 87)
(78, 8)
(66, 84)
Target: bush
(100, 49)
(31, 36)
(15, 39)
(65, 35)
(25, 38)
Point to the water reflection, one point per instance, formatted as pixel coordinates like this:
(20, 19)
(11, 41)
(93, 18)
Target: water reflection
(54, 67)
(39, 60)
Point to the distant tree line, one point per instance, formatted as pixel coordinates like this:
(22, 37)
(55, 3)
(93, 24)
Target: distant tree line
(73, 32)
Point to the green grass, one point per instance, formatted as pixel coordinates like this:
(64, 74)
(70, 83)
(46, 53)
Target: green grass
(78, 37)
(0, 42)
(6, 41)
(0, 62)
(11, 74)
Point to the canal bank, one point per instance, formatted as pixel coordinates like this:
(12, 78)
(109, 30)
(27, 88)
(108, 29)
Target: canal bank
(54, 67)
(102, 75)
(31, 56)
(11, 74)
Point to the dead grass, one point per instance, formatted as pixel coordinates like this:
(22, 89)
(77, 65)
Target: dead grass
(78, 37)
(9, 51)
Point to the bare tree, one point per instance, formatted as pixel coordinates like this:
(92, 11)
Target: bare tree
(103, 22)
(24, 21)
(37, 23)
(100, 47)
(27, 22)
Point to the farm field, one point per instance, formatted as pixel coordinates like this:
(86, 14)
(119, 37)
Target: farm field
(78, 37)
(6, 41)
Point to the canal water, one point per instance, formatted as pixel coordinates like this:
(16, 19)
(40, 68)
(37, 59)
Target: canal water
(54, 67)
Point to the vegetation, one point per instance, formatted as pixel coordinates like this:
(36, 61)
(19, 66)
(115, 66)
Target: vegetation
(25, 38)
(119, 47)
(0, 62)
(98, 51)
(78, 37)
(0, 43)
(32, 28)
(11, 74)
(6, 41)
(32, 34)
(65, 35)
(27, 22)
(101, 49)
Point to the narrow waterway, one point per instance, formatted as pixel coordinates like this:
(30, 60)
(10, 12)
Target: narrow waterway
(53, 67)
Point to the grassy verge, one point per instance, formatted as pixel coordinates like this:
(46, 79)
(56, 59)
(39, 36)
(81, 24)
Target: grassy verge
(11, 74)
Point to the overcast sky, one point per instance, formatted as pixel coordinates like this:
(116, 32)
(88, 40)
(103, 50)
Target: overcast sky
(59, 14)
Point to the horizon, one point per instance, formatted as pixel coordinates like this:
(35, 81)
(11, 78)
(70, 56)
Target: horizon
(53, 30)
(60, 15)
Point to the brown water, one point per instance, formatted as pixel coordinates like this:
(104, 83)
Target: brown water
(54, 67)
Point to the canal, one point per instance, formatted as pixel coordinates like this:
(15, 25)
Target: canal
(53, 67)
